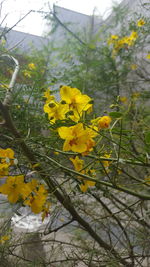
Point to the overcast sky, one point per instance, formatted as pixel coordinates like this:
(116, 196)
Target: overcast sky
(33, 23)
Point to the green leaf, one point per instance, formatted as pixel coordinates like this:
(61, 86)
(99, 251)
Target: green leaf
(115, 114)
(147, 137)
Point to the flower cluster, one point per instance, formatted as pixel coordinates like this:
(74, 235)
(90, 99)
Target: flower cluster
(80, 136)
(72, 105)
(6, 160)
(4, 239)
(141, 22)
(30, 68)
(124, 42)
(32, 194)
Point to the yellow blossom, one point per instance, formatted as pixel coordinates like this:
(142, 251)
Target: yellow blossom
(135, 95)
(78, 163)
(133, 66)
(79, 166)
(119, 171)
(5, 154)
(56, 111)
(56, 153)
(6, 159)
(86, 185)
(37, 199)
(102, 122)
(3, 170)
(133, 35)
(106, 163)
(31, 66)
(4, 238)
(148, 56)
(130, 39)
(140, 22)
(13, 188)
(123, 99)
(27, 74)
(77, 138)
(124, 42)
(33, 184)
(76, 101)
(48, 96)
(112, 39)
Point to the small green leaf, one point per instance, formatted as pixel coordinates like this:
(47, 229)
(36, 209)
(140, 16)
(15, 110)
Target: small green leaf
(147, 137)
(115, 114)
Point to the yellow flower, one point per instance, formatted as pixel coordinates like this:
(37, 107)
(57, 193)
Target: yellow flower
(3, 170)
(79, 166)
(77, 138)
(119, 171)
(112, 39)
(56, 153)
(124, 42)
(78, 163)
(123, 99)
(37, 199)
(6, 159)
(86, 185)
(13, 188)
(148, 56)
(76, 101)
(5, 154)
(32, 185)
(133, 66)
(102, 122)
(106, 163)
(4, 238)
(31, 66)
(48, 95)
(135, 95)
(133, 35)
(132, 38)
(56, 111)
(27, 74)
(140, 22)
